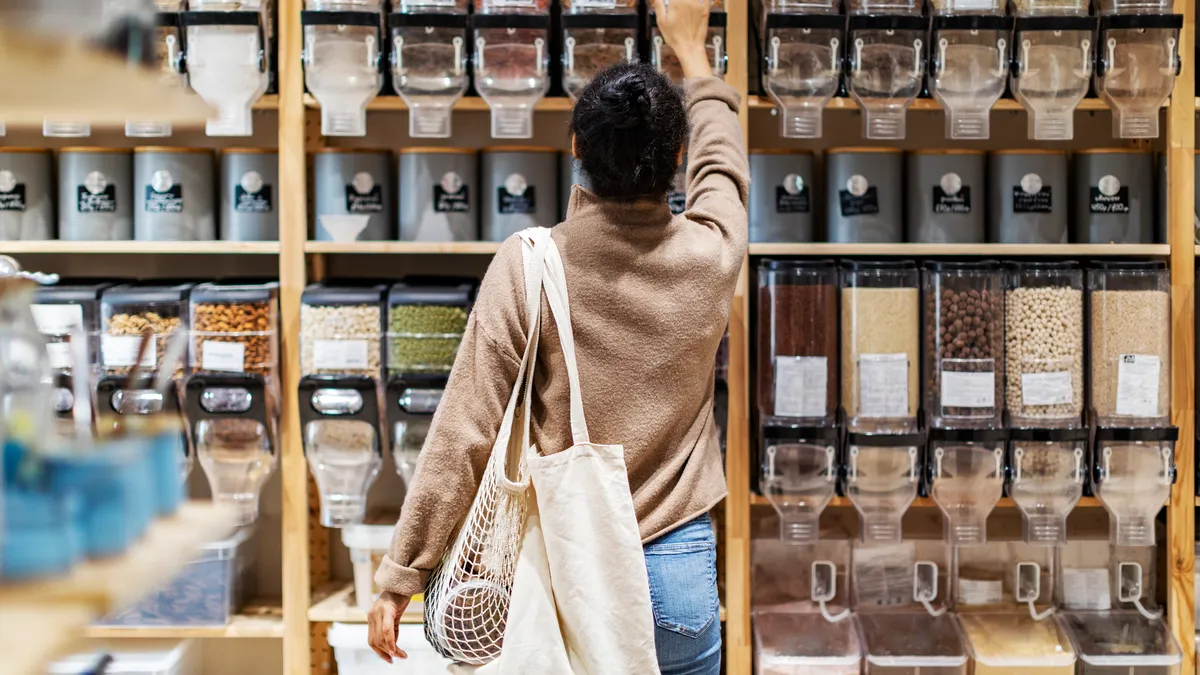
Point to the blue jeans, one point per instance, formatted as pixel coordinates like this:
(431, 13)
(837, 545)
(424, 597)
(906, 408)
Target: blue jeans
(683, 591)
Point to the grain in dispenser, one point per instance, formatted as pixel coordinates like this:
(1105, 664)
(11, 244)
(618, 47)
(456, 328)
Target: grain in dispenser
(512, 61)
(354, 198)
(663, 57)
(95, 194)
(970, 50)
(1113, 197)
(520, 190)
(439, 195)
(429, 61)
(228, 59)
(805, 47)
(174, 194)
(1052, 63)
(781, 196)
(864, 195)
(1138, 61)
(885, 42)
(26, 194)
(1027, 197)
(343, 61)
(947, 197)
(168, 46)
(249, 186)
(596, 34)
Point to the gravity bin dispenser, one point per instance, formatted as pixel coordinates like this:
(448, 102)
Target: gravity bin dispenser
(969, 62)
(804, 50)
(228, 59)
(340, 421)
(168, 46)
(411, 402)
(343, 61)
(512, 61)
(1052, 63)
(885, 62)
(596, 34)
(1138, 62)
(663, 57)
(429, 61)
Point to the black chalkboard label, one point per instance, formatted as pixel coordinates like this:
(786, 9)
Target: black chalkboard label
(1031, 202)
(252, 202)
(364, 202)
(104, 201)
(13, 200)
(1102, 203)
(957, 203)
(512, 204)
(864, 205)
(451, 202)
(786, 202)
(168, 201)
(677, 202)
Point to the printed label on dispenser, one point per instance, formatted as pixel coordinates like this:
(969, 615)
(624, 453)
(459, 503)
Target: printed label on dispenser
(801, 386)
(1046, 388)
(363, 195)
(1109, 196)
(451, 195)
(858, 198)
(57, 319)
(593, 4)
(252, 195)
(883, 385)
(167, 201)
(951, 203)
(60, 354)
(968, 390)
(516, 196)
(980, 591)
(120, 351)
(1086, 589)
(96, 199)
(12, 193)
(677, 202)
(340, 354)
(1137, 385)
(792, 195)
(227, 357)
(1031, 196)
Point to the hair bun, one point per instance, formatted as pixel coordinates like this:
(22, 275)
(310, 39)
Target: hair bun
(627, 101)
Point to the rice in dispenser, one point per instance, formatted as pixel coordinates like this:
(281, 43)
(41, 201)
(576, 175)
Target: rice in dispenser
(439, 194)
(511, 61)
(95, 194)
(596, 34)
(174, 194)
(663, 57)
(970, 52)
(1137, 63)
(354, 196)
(864, 195)
(1027, 196)
(249, 186)
(520, 190)
(885, 47)
(1113, 196)
(946, 198)
(1052, 63)
(804, 50)
(228, 58)
(429, 61)
(168, 45)
(781, 196)
(343, 61)
(26, 194)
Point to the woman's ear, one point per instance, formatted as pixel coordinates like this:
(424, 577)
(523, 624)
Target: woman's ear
(679, 159)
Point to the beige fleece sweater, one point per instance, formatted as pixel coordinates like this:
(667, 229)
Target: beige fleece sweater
(650, 297)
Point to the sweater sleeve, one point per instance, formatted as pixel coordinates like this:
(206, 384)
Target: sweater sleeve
(464, 428)
(718, 171)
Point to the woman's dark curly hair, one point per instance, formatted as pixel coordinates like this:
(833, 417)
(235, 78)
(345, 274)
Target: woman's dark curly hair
(629, 124)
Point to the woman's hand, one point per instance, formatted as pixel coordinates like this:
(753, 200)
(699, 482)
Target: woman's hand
(684, 25)
(383, 624)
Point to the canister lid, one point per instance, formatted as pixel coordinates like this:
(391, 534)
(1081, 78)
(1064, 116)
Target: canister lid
(1028, 151)
(25, 150)
(94, 149)
(446, 291)
(320, 294)
(353, 151)
(945, 151)
(249, 151)
(1112, 151)
(437, 150)
(780, 151)
(772, 265)
(72, 291)
(170, 150)
(137, 294)
(861, 150)
(234, 293)
(519, 148)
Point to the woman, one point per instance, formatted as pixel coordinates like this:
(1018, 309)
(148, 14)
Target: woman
(650, 297)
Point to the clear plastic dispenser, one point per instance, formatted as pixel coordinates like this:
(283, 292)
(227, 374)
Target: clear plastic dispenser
(1138, 61)
(596, 34)
(1016, 644)
(1052, 63)
(796, 643)
(1048, 469)
(882, 476)
(1044, 345)
(429, 61)
(886, 50)
(512, 61)
(341, 422)
(411, 402)
(1122, 642)
(343, 61)
(228, 57)
(1134, 471)
(805, 44)
(799, 476)
(966, 478)
(663, 58)
(168, 43)
(907, 642)
(970, 50)
(234, 430)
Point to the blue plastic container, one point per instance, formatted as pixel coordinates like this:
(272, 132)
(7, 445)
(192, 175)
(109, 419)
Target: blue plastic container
(108, 480)
(170, 466)
(40, 535)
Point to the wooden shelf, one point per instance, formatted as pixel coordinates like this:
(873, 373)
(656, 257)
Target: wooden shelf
(929, 104)
(926, 502)
(267, 102)
(257, 621)
(337, 603)
(919, 250)
(140, 247)
(464, 104)
(403, 247)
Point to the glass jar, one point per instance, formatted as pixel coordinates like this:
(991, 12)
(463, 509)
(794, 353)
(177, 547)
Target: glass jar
(804, 45)
(429, 61)
(426, 321)
(126, 311)
(1044, 344)
(343, 58)
(341, 330)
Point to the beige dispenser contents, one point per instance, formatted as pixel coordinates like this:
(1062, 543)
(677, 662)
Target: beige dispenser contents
(1015, 644)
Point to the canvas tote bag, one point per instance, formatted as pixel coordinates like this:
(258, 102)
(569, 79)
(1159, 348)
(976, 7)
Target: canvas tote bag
(580, 601)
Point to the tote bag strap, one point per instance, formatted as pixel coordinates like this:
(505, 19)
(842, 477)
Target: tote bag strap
(556, 293)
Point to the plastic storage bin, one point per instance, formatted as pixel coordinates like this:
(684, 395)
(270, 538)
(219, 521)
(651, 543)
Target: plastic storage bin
(174, 194)
(341, 330)
(354, 657)
(368, 544)
(134, 657)
(58, 309)
(781, 196)
(95, 194)
(788, 643)
(26, 194)
(233, 328)
(207, 592)
(128, 309)
(1122, 642)
(905, 643)
(1015, 644)
(426, 321)
(864, 195)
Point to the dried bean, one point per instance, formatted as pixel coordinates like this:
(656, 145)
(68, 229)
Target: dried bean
(1044, 336)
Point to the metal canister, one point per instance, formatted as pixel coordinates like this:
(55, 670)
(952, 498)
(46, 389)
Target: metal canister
(95, 194)
(781, 195)
(173, 194)
(946, 196)
(1027, 197)
(26, 194)
(249, 189)
(439, 194)
(864, 195)
(520, 190)
(354, 195)
(1113, 196)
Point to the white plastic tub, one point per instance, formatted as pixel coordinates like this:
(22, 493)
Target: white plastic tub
(354, 657)
(134, 657)
(368, 544)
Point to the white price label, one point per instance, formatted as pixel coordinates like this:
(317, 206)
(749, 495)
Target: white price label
(968, 390)
(60, 354)
(980, 591)
(1046, 388)
(883, 385)
(57, 319)
(1137, 385)
(120, 351)
(340, 354)
(1086, 589)
(228, 357)
(801, 386)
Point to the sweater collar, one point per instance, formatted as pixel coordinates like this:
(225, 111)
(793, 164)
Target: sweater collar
(585, 205)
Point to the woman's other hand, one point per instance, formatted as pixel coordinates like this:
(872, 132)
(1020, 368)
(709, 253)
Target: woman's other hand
(684, 25)
(383, 624)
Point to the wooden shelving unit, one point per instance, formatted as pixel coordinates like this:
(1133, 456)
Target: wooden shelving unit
(464, 104)
(402, 247)
(962, 250)
(257, 621)
(925, 503)
(928, 104)
(139, 247)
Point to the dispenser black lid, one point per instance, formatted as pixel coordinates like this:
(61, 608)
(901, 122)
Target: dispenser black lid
(442, 291)
(143, 294)
(323, 295)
